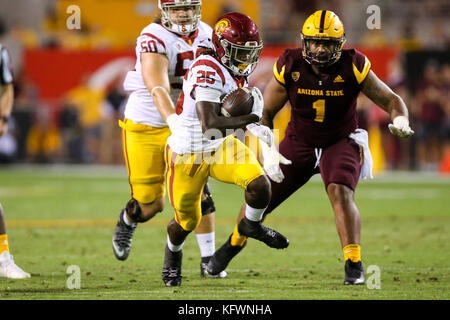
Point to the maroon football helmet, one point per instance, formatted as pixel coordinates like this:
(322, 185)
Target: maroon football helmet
(184, 25)
(237, 43)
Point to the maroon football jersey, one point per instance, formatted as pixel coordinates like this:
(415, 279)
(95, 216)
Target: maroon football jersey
(323, 107)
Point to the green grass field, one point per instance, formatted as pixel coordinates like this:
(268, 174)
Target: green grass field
(63, 216)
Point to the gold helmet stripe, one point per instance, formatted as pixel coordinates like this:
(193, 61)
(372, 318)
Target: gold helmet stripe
(279, 75)
(322, 20)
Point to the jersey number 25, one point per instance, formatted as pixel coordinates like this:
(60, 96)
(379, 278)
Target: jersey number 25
(205, 76)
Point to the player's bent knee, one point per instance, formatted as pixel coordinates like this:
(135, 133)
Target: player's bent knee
(260, 185)
(151, 209)
(181, 228)
(140, 212)
(260, 189)
(340, 193)
(176, 232)
(208, 205)
(191, 224)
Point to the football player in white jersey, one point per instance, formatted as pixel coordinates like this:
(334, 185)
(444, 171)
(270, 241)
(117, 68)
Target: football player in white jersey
(201, 144)
(164, 51)
(8, 269)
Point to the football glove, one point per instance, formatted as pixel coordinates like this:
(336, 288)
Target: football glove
(172, 121)
(258, 102)
(263, 133)
(400, 127)
(272, 160)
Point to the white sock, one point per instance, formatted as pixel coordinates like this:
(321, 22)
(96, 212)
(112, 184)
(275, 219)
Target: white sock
(206, 243)
(253, 214)
(172, 247)
(125, 219)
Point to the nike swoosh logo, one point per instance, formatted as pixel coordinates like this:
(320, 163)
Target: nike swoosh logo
(117, 250)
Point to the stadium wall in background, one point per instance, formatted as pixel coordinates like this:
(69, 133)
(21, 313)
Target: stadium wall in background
(57, 71)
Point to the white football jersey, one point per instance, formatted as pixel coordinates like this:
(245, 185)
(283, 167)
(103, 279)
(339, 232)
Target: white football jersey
(180, 50)
(208, 73)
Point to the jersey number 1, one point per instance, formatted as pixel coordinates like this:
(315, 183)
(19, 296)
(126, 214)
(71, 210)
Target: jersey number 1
(319, 105)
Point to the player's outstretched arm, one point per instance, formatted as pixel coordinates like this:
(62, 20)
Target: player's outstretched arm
(275, 97)
(155, 73)
(377, 91)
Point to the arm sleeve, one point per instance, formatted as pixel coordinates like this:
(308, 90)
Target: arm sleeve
(207, 94)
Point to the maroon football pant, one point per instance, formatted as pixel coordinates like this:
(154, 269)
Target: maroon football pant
(339, 163)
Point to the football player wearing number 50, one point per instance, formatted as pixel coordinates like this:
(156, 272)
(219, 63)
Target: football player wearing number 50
(164, 51)
(322, 81)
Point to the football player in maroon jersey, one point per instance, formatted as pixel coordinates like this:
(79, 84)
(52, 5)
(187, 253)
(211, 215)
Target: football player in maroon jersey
(322, 81)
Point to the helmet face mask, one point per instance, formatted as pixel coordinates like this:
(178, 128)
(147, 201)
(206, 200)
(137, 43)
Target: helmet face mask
(322, 28)
(329, 55)
(241, 59)
(237, 43)
(185, 24)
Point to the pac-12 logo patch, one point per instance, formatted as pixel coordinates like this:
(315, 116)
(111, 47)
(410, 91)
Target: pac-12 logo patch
(295, 75)
(221, 26)
(338, 79)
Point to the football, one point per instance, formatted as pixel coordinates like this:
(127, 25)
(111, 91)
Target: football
(237, 103)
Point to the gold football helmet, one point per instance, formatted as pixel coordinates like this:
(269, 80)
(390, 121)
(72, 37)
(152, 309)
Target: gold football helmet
(323, 26)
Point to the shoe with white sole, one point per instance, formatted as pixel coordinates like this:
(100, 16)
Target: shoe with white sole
(205, 274)
(8, 269)
(123, 238)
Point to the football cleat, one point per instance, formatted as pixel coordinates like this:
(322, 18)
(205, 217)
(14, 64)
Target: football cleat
(354, 273)
(122, 238)
(205, 274)
(256, 230)
(222, 258)
(171, 273)
(8, 269)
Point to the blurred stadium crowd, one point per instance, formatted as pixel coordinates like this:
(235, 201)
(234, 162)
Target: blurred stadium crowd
(79, 124)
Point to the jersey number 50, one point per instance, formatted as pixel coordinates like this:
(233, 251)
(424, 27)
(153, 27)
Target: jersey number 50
(148, 46)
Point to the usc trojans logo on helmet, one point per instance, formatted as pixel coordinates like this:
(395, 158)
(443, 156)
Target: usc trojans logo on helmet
(221, 26)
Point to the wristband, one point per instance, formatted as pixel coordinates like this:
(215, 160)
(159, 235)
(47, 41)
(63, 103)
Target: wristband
(401, 122)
